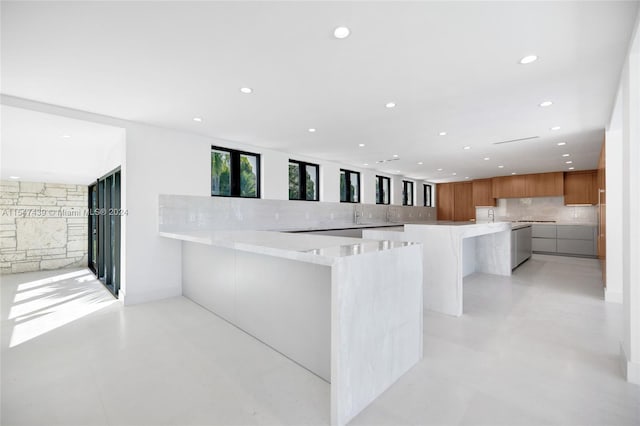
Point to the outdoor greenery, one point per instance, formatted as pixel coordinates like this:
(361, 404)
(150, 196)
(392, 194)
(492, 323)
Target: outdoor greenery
(295, 187)
(221, 174)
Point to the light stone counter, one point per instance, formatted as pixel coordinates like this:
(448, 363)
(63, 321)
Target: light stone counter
(347, 309)
(452, 250)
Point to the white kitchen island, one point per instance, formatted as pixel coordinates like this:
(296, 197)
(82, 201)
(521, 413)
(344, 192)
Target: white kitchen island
(348, 310)
(452, 250)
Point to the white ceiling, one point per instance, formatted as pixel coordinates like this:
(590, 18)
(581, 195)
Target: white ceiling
(35, 147)
(449, 66)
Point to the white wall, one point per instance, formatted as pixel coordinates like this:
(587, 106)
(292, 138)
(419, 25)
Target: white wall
(623, 205)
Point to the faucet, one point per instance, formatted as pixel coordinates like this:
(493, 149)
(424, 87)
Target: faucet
(491, 215)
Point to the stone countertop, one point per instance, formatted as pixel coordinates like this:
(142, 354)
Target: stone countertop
(319, 249)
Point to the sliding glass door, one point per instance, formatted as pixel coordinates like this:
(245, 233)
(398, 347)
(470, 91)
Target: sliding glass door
(104, 230)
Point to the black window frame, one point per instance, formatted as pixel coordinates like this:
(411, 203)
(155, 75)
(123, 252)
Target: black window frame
(428, 198)
(234, 168)
(302, 180)
(380, 186)
(405, 201)
(347, 182)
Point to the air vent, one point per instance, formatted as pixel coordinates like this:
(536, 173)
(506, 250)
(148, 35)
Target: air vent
(386, 161)
(517, 140)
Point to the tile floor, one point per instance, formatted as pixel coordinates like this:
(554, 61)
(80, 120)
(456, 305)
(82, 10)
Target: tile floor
(539, 348)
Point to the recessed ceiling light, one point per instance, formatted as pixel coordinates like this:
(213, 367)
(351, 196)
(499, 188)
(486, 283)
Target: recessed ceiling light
(546, 104)
(487, 158)
(568, 162)
(571, 168)
(528, 59)
(454, 173)
(65, 136)
(341, 32)
(561, 143)
(395, 155)
(14, 177)
(365, 164)
(566, 155)
(514, 173)
(466, 177)
(467, 147)
(555, 128)
(390, 105)
(246, 90)
(361, 145)
(197, 119)
(312, 130)
(501, 166)
(420, 163)
(439, 170)
(443, 133)
(397, 171)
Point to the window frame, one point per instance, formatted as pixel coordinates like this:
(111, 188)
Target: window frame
(427, 200)
(302, 179)
(380, 186)
(348, 186)
(405, 201)
(235, 184)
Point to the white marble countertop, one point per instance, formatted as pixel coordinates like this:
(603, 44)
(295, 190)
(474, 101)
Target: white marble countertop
(320, 249)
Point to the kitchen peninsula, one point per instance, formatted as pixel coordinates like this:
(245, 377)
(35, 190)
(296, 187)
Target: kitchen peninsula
(349, 310)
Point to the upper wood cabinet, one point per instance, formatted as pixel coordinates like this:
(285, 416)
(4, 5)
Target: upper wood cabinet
(444, 201)
(581, 187)
(483, 193)
(463, 208)
(532, 185)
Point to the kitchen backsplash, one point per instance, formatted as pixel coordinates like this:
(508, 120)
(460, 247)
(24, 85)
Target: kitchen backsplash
(539, 208)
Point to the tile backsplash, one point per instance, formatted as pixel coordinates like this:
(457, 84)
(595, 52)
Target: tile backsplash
(539, 208)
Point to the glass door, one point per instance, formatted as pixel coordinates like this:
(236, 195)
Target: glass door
(93, 227)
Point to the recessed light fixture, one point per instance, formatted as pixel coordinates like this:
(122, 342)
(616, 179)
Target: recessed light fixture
(501, 166)
(395, 155)
(561, 143)
(546, 104)
(65, 136)
(514, 173)
(466, 177)
(197, 119)
(312, 130)
(555, 128)
(528, 59)
(341, 32)
(361, 145)
(566, 155)
(14, 177)
(454, 173)
(397, 171)
(443, 133)
(571, 168)
(390, 105)
(246, 90)
(467, 148)
(486, 158)
(568, 162)
(439, 170)
(420, 163)
(365, 164)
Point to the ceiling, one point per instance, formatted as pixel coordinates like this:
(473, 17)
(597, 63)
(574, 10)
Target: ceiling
(448, 66)
(38, 147)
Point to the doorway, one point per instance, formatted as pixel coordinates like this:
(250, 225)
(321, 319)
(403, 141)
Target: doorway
(104, 230)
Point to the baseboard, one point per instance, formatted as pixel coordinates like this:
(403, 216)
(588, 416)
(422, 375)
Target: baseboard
(630, 370)
(612, 296)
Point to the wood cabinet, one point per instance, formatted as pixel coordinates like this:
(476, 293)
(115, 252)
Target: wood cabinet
(581, 187)
(444, 201)
(463, 208)
(531, 185)
(544, 184)
(483, 193)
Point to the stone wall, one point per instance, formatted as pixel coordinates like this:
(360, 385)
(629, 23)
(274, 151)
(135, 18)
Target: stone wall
(42, 226)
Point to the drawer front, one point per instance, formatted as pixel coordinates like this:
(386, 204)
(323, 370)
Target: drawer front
(584, 247)
(543, 231)
(544, 244)
(576, 232)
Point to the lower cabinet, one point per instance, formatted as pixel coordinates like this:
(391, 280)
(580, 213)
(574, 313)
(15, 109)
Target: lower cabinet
(520, 245)
(574, 240)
